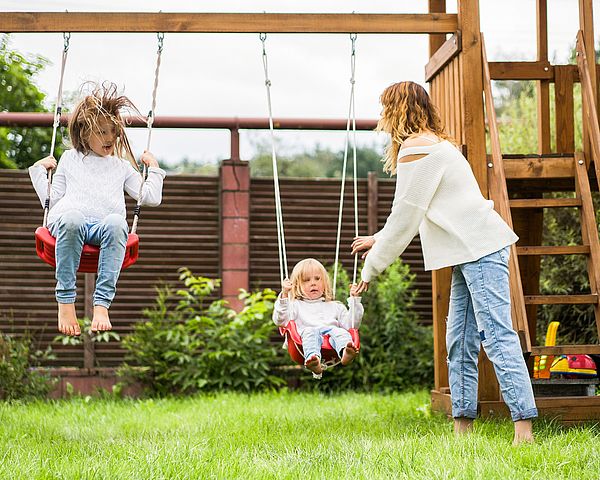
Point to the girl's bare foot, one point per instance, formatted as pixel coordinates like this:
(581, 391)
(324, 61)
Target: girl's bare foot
(350, 353)
(67, 319)
(314, 365)
(100, 322)
(523, 432)
(463, 425)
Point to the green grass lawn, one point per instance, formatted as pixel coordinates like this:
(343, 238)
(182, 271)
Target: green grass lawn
(287, 435)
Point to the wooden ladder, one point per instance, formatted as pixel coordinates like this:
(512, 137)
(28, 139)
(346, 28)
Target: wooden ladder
(543, 168)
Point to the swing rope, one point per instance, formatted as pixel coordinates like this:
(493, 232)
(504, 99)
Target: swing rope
(149, 123)
(351, 122)
(283, 267)
(56, 123)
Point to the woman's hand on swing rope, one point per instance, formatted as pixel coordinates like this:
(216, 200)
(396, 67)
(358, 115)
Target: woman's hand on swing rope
(361, 287)
(286, 287)
(363, 243)
(354, 290)
(148, 159)
(48, 162)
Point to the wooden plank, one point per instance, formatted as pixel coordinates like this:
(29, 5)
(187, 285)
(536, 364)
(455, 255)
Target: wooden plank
(535, 167)
(544, 202)
(541, 70)
(436, 40)
(551, 250)
(567, 349)
(590, 299)
(586, 27)
(472, 85)
(499, 193)
(589, 230)
(565, 116)
(542, 86)
(188, 22)
(373, 199)
(590, 119)
(450, 49)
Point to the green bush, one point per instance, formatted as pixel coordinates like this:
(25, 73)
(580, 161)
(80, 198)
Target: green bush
(186, 347)
(19, 379)
(396, 351)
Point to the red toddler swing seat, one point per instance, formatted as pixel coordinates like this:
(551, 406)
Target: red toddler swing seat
(294, 344)
(45, 245)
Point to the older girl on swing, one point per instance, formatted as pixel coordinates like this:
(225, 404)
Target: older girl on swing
(438, 197)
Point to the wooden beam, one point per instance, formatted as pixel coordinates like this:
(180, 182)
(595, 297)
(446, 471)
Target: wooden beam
(521, 70)
(127, 22)
(437, 40)
(443, 56)
(528, 168)
(564, 107)
(586, 38)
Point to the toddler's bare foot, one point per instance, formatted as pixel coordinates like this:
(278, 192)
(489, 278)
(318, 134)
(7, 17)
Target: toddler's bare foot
(523, 432)
(100, 322)
(67, 319)
(462, 426)
(350, 352)
(314, 365)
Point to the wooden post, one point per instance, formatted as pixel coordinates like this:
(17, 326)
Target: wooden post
(472, 89)
(235, 229)
(586, 25)
(373, 203)
(89, 354)
(543, 86)
(436, 40)
(440, 284)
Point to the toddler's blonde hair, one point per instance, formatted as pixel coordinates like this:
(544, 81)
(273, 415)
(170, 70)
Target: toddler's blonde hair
(302, 270)
(103, 103)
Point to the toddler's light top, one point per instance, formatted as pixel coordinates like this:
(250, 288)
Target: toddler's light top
(317, 313)
(94, 185)
(438, 197)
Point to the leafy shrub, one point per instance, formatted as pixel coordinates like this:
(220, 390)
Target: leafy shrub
(18, 377)
(396, 351)
(186, 347)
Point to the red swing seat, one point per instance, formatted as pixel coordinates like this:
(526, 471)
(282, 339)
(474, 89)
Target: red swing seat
(45, 245)
(294, 344)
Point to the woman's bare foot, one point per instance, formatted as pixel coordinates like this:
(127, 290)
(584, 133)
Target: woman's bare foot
(350, 353)
(67, 319)
(463, 425)
(523, 432)
(314, 365)
(100, 322)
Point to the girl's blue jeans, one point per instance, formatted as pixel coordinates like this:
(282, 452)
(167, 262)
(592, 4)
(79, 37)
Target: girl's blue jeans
(480, 314)
(312, 339)
(72, 232)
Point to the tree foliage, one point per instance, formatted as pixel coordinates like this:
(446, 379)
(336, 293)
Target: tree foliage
(21, 147)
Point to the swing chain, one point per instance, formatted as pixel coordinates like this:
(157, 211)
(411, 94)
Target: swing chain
(161, 37)
(66, 38)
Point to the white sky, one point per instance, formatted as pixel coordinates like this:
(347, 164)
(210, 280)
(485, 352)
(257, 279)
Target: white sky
(221, 74)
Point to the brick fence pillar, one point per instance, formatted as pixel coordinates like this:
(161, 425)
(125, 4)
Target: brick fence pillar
(235, 229)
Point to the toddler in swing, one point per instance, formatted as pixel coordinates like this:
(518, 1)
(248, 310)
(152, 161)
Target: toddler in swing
(87, 201)
(316, 313)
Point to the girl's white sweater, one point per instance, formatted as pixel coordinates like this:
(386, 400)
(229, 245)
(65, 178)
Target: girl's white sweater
(317, 313)
(438, 197)
(94, 185)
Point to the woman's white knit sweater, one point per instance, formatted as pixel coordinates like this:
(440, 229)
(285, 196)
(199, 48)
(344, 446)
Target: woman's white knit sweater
(317, 313)
(438, 197)
(94, 185)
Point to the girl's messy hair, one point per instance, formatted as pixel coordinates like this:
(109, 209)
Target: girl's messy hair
(407, 111)
(103, 103)
(302, 270)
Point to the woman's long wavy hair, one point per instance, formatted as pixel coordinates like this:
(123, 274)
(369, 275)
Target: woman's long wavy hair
(407, 111)
(103, 103)
(303, 269)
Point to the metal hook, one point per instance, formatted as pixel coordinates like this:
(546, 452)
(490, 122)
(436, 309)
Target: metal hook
(353, 37)
(160, 36)
(66, 38)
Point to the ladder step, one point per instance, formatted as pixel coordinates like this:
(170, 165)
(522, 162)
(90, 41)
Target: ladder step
(590, 298)
(551, 250)
(566, 349)
(544, 202)
(537, 167)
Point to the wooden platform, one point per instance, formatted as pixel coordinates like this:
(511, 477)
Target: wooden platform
(566, 410)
